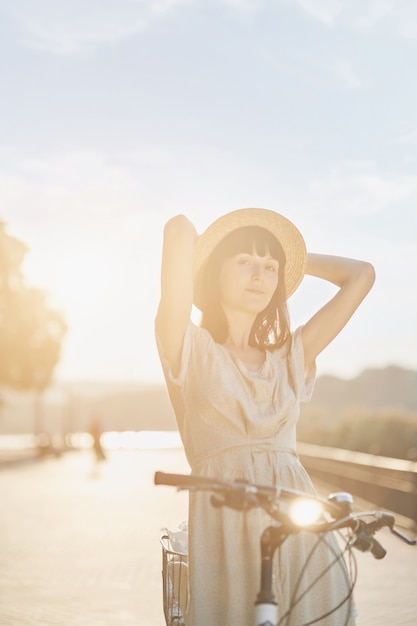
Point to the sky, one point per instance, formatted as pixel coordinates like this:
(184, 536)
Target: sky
(118, 114)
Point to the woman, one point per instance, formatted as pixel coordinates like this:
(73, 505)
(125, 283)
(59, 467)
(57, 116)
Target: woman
(235, 383)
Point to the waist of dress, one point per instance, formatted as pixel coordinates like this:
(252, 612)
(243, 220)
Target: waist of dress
(252, 446)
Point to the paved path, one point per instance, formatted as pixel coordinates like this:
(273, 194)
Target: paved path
(79, 545)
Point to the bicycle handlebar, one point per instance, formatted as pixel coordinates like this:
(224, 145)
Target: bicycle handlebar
(241, 495)
(244, 488)
(184, 481)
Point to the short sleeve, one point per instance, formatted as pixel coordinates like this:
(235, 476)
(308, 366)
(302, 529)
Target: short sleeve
(303, 381)
(189, 337)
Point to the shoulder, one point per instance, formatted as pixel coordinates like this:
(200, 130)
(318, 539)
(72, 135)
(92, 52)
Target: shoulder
(290, 355)
(200, 336)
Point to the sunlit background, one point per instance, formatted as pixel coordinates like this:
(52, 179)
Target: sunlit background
(115, 118)
(118, 114)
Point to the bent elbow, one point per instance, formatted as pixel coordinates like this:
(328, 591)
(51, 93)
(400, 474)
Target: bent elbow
(369, 273)
(177, 225)
(366, 277)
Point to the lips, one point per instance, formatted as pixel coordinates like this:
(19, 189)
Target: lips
(257, 292)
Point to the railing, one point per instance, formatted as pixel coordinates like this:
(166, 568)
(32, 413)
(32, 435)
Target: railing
(384, 482)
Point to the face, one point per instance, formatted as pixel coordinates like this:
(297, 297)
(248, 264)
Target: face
(248, 281)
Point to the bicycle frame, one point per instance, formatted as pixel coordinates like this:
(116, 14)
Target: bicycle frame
(266, 608)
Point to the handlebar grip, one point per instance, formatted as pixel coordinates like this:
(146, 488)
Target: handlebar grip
(377, 551)
(365, 542)
(173, 480)
(186, 481)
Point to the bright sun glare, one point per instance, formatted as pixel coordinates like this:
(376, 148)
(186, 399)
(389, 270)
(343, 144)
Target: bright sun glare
(304, 511)
(81, 277)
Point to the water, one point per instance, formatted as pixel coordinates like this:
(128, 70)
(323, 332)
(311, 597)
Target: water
(111, 440)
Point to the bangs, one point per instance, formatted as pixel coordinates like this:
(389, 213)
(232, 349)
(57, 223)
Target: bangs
(248, 238)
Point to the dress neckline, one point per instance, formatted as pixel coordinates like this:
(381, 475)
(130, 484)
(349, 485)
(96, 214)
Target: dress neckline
(242, 365)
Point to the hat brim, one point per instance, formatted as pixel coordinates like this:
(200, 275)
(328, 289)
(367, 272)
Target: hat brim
(285, 232)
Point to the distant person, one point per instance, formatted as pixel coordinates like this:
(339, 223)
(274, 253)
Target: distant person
(95, 432)
(236, 382)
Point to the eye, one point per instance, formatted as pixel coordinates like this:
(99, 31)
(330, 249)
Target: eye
(244, 260)
(272, 267)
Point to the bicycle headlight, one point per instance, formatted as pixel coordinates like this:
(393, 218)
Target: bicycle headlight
(305, 511)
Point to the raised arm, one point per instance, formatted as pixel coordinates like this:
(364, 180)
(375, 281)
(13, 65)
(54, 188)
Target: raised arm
(354, 279)
(176, 287)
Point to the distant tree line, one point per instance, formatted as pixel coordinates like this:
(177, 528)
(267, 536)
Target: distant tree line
(31, 332)
(384, 432)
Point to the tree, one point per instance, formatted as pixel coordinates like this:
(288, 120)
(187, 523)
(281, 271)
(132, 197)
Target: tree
(31, 332)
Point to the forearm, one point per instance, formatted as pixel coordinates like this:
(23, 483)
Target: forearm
(177, 254)
(354, 279)
(175, 304)
(339, 270)
(177, 268)
(179, 231)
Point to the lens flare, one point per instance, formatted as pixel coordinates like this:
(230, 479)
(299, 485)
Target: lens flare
(304, 511)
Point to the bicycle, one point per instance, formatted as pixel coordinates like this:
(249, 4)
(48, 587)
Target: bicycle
(292, 512)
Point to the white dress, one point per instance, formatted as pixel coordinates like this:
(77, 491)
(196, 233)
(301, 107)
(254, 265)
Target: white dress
(240, 424)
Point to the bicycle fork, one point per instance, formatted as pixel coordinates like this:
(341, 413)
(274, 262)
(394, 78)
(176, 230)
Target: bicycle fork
(266, 608)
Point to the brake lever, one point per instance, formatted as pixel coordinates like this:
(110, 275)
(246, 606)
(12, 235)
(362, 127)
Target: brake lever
(387, 519)
(403, 537)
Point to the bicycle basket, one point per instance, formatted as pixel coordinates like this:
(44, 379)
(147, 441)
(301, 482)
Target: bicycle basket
(174, 583)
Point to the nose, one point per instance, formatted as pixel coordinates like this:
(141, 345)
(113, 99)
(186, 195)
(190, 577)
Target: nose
(256, 272)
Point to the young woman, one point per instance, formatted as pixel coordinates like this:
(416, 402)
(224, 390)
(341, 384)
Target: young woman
(236, 382)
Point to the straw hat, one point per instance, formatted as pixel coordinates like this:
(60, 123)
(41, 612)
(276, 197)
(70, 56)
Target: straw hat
(287, 234)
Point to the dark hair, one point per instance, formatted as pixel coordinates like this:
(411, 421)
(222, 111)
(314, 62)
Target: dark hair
(271, 326)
